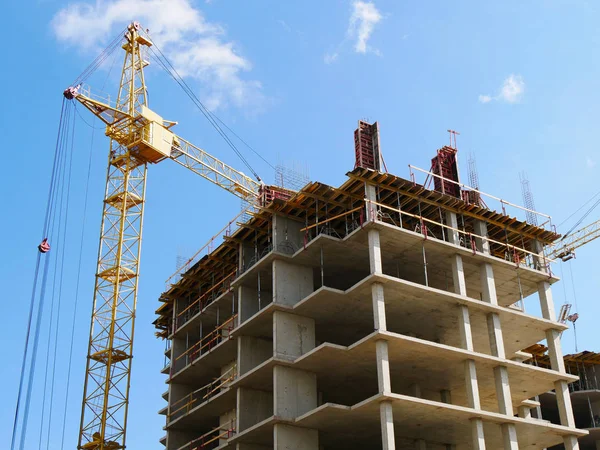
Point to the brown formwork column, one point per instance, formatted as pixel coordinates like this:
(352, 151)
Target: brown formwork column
(488, 289)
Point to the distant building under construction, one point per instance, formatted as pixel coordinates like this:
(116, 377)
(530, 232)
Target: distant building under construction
(384, 313)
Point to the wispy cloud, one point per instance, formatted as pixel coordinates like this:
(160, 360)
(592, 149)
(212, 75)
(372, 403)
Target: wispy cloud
(590, 163)
(365, 16)
(198, 49)
(330, 57)
(511, 91)
(363, 19)
(284, 25)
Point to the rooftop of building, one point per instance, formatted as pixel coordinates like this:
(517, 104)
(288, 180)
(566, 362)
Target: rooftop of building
(327, 209)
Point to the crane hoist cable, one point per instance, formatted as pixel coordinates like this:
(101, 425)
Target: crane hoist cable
(164, 62)
(43, 263)
(77, 285)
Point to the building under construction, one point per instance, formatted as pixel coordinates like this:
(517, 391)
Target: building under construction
(585, 394)
(384, 313)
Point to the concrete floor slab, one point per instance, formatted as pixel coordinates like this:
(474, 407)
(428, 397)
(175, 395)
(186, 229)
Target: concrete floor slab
(432, 421)
(349, 373)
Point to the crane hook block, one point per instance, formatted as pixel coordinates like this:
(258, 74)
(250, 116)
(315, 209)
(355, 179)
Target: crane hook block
(44, 247)
(71, 92)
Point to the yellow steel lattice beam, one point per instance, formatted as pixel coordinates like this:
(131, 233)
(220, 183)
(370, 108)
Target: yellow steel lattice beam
(565, 248)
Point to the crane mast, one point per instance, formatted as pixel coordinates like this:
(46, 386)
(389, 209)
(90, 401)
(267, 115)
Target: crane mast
(138, 136)
(107, 377)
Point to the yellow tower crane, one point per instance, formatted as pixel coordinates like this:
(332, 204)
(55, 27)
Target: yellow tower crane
(138, 136)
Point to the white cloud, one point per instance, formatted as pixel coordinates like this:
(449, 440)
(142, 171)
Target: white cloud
(197, 48)
(284, 25)
(512, 91)
(330, 57)
(362, 22)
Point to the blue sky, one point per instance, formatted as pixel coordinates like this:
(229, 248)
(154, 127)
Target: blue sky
(518, 80)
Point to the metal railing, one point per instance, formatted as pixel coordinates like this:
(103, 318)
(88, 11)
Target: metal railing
(211, 439)
(547, 220)
(182, 407)
(204, 345)
(204, 300)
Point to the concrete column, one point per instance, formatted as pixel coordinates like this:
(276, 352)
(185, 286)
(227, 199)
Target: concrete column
(477, 434)
(291, 282)
(294, 392)
(293, 335)
(252, 351)
(495, 335)
(472, 385)
(374, 251)
(525, 412)
(249, 302)
(488, 289)
(227, 421)
(565, 409)
(383, 367)
(287, 237)
(378, 307)
(571, 443)
(387, 426)
(288, 437)
(452, 221)
(509, 437)
(446, 396)
(253, 406)
(371, 195)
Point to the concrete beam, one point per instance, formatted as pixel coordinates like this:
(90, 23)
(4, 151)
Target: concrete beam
(242, 446)
(293, 335)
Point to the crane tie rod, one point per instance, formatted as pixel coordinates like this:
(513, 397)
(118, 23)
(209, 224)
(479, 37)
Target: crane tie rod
(170, 69)
(104, 54)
